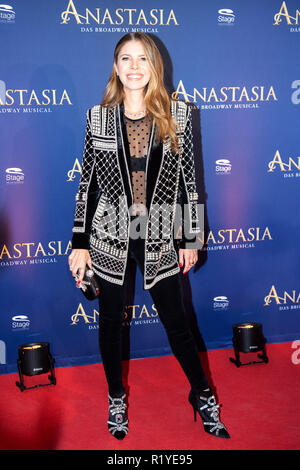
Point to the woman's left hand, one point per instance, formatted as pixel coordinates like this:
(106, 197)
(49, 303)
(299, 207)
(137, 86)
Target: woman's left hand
(187, 258)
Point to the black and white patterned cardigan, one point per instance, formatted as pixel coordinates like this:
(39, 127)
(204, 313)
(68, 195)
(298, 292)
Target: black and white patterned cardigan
(104, 196)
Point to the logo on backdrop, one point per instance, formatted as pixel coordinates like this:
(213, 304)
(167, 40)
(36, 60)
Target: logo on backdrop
(30, 253)
(140, 315)
(227, 97)
(295, 98)
(14, 176)
(288, 169)
(121, 20)
(76, 169)
(235, 238)
(221, 302)
(284, 17)
(289, 300)
(7, 14)
(2, 352)
(226, 17)
(80, 316)
(31, 101)
(134, 314)
(223, 167)
(20, 322)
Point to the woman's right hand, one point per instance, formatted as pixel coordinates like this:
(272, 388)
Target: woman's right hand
(77, 262)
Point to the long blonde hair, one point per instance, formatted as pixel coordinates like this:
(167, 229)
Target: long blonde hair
(156, 97)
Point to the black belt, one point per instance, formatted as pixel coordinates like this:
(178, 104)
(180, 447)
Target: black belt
(138, 163)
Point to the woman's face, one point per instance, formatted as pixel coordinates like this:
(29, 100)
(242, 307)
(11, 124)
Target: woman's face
(133, 66)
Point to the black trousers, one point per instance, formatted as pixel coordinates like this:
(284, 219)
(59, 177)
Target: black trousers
(167, 297)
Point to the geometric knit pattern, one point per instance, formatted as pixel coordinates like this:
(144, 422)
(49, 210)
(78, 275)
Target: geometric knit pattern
(109, 233)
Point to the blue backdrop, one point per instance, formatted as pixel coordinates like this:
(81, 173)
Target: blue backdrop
(239, 67)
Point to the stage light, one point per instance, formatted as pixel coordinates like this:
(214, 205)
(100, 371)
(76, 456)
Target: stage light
(35, 359)
(248, 337)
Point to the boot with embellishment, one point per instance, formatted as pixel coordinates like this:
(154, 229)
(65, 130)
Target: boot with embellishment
(117, 419)
(205, 404)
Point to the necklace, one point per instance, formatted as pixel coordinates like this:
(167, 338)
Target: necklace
(135, 114)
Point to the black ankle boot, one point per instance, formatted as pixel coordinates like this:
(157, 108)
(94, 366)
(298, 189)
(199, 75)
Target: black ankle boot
(205, 404)
(117, 419)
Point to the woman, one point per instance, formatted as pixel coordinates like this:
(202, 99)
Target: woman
(138, 163)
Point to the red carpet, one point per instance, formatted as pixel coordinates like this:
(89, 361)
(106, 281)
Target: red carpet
(260, 406)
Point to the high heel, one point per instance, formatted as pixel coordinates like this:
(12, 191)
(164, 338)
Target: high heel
(205, 404)
(117, 419)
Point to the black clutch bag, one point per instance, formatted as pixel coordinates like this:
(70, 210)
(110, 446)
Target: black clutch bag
(88, 285)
